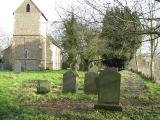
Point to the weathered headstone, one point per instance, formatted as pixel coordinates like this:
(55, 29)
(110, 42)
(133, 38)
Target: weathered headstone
(69, 82)
(17, 66)
(108, 84)
(1, 66)
(94, 69)
(43, 86)
(89, 83)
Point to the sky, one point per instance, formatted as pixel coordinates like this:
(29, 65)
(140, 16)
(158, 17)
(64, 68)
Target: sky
(48, 7)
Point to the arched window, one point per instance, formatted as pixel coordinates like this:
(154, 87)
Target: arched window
(28, 8)
(26, 54)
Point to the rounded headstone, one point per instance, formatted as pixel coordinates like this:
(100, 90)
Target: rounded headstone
(108, 84)
(69, 82)
(90, 83)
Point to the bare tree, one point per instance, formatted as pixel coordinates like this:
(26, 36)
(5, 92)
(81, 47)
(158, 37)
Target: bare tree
(92, 13)
(147, 11)
(5, 40)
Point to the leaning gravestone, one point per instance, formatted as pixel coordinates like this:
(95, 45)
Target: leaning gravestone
(108, 84)
(69, 82)
(89, 83)
(17, 66)
(43, 86)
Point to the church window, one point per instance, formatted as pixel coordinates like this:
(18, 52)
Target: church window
(28, 8)
(26, 53)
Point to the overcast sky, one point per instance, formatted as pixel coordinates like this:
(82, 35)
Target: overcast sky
(48, 7)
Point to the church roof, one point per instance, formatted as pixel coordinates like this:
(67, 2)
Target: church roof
(53, 41)
(38, 10)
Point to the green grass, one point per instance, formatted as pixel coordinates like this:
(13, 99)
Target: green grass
(19, 100)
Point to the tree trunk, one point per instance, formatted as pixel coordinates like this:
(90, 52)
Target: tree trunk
(151, 63)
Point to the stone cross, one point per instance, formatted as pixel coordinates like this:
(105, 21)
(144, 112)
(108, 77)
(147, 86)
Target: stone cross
(69, 82)
(90, 83)
(94, 69)
(108, 85)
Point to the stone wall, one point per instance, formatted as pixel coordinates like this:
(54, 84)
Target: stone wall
(49, 62)
(29, 39)
(34, 45)
(56, 57)
(27, 23)
(7, 59)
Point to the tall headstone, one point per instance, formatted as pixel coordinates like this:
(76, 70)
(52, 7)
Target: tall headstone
(43, 86)
(90, 83)
(108, 84)
(69, 82)
(17, 66)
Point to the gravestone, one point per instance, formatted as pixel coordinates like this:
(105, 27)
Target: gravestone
(1, 66)
(89, 83)
(69, 82)
(43, 86)
(17, 66)
(94, 69)
(108, 85)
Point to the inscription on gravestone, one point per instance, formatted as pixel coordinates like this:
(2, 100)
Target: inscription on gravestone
(69, 82)
(109, 90)
(89, 83)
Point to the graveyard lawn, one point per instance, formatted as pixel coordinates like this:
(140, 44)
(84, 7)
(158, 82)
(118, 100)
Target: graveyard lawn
(19, 101)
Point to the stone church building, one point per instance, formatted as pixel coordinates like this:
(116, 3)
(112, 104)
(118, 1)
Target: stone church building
(30, 44)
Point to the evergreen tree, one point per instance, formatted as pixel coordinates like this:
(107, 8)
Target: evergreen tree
(70, 41)
(92, 48)
(81, 43)
(120, 44)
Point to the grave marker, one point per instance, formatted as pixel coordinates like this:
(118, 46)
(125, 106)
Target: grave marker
(43, 86)
(17, 66)
(69, 82)
(108, 84)
(89, 83)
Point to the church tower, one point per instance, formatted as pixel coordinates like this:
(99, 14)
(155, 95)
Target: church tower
(29, 36)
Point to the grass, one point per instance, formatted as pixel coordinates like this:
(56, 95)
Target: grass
(19, 101)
